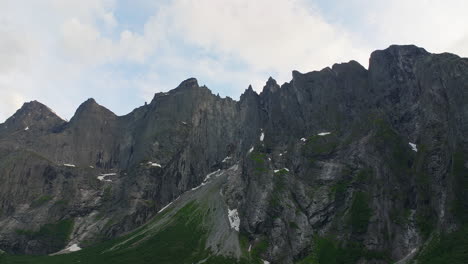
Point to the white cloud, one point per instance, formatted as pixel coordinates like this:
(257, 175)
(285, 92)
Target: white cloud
(435, 25)
(61, 52)
(270, 36)
(86, 44)
(10, 101)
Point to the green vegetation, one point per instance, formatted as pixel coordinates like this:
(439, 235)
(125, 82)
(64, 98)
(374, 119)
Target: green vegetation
(403, 163)
(460, 176)
(364, 176)
(279, 185)
(400, 157)
(329, 251)
(399, 216)
(54, 235)
(281, 172)
(259, 249)
(258, 157)
(339, 189)
(107, 194)
(360, 213)
(426, 217)
(446, 249)
(319, 145)
(425, 221)
(182, 240)
(259, 162)
(41, 200)
(293, 225)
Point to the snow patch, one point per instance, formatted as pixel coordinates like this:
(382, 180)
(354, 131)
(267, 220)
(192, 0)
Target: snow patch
(26, 129)
(324, 134)
(185, 123)
(250, 247)
(262, 136)
(169, 204)
(195, 188)
(413, 146)
(206, 180)
(73, 248)
(102, 177)
(234, 219)
(265, 262)
(154, 164)
(210, 174)
(226, 159)
(251, 149)
(69, 165)
(407, 257)
(91, 167)
(286, 169)
(303, 139)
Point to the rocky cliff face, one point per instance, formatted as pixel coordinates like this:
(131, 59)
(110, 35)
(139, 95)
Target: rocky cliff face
(370, 163)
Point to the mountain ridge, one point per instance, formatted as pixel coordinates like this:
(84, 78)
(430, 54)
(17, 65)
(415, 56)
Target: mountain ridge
(368, 163)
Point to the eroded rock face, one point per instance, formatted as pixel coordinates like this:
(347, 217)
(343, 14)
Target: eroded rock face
(334, 159)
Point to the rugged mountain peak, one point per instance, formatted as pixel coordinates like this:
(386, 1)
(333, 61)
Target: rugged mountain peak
(406, 50)
(351, 66)
(296, 74)
(35, 108)
(401, 55)
(271, 86)
(189, 83)
(249, 93)
(90, 109)
(33, 115)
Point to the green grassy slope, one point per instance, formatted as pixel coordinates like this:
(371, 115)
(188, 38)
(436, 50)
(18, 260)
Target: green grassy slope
(179, 234)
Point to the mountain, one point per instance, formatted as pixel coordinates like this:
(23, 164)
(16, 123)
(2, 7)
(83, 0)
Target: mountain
(342, 165)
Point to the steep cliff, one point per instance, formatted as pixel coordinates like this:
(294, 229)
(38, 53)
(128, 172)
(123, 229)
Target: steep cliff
(342, 165)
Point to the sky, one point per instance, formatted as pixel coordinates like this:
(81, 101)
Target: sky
(62, 52)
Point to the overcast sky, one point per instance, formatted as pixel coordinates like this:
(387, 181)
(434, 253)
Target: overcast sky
(61, 52)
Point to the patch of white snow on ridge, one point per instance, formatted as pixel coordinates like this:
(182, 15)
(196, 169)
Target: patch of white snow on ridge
(265, 262)
(286, 169)
(69, 165)
(414, 147)
(251, 149)
(167, 205)
(226, 159)
(303, 139)
(210, 174)
(154, 164)
(26, 129)
(102, 177)
(407, 257)
(250, 247)
(109, 174)
(195, 188)
(73, 248)
(234, 219)
(206, 180)
(262, 136)
(324, 134)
